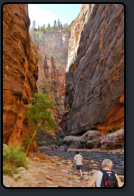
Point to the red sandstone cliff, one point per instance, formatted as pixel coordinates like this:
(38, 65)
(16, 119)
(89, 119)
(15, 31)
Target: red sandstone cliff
(94, 94)
(52, 61)
(19, 71)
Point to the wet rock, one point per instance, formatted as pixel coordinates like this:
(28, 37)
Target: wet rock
(92, 161)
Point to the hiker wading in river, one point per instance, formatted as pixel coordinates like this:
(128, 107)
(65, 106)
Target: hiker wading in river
(78, 159)
(105, 177)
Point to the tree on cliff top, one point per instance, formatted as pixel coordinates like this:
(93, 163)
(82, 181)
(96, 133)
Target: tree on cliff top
(34, 24)
(40, 115)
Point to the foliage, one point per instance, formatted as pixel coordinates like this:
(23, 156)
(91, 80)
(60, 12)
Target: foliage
(25, 140)
(40, 57)
(39, 34)
(53, 87)
(57, 140)
(13, 157)
(40, 112)
(49, 142)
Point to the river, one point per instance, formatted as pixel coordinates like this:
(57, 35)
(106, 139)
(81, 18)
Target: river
(96, 156)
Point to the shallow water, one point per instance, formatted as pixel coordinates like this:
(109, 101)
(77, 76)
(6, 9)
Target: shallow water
(118, 159)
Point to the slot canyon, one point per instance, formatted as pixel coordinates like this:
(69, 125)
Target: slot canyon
(80, 67)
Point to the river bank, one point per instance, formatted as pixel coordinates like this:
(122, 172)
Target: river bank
(54, 169)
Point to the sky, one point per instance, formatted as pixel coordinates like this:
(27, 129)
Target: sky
(47, 13)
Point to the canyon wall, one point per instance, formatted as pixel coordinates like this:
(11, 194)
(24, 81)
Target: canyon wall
(94, 93)
(52, 47)
(19, 71)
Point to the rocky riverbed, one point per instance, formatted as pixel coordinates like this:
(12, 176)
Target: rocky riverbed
(53, 168)
(92, 158)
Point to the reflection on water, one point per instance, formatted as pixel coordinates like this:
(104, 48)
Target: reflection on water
(118, 159)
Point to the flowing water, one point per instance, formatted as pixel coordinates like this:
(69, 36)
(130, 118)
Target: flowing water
(96, 156)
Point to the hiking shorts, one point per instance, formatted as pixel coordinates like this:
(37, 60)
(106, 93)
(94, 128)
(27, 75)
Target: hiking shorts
(78, 167)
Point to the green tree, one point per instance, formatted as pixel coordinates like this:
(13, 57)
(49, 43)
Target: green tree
(48, 25)
(34, 24)
(58, 22)
(40, 115)
(55, 23)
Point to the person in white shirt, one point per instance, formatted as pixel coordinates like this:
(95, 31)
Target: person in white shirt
(98, 179)
(78, 159)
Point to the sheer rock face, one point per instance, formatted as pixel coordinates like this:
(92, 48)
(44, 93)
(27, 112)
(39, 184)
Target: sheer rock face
(94, 94)
(19, 71)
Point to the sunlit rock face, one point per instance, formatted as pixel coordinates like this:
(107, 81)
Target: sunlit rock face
(94, 94)
(52, 61)
(19, 71)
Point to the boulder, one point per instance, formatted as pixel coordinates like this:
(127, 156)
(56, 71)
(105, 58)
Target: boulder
(113, 141)
(91, 139)
(71, 141)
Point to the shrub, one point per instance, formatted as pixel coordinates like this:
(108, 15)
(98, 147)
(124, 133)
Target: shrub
(49, 142)
(13, 157)
(57, 140)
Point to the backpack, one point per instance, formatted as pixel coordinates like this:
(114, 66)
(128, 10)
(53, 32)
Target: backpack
(109, 179)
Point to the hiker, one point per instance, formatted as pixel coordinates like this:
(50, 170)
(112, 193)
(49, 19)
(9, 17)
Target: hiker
(78, 159)
(105, 177)
(66, 150)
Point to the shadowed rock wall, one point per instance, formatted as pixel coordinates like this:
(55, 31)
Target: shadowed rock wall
(94, 94)
(19, 71)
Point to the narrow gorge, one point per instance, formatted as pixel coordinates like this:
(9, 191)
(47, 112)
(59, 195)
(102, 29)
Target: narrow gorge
(77, 73)
(81, 67)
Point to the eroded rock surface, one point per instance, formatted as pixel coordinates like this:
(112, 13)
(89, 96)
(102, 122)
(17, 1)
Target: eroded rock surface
(19, 71)
(113, 140)
(94, 140)
(94, 94)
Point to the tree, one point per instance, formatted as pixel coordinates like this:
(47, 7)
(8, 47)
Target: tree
(58, 22)
(34, 24)
(48, 25)
(40, 115)
(55, 23)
